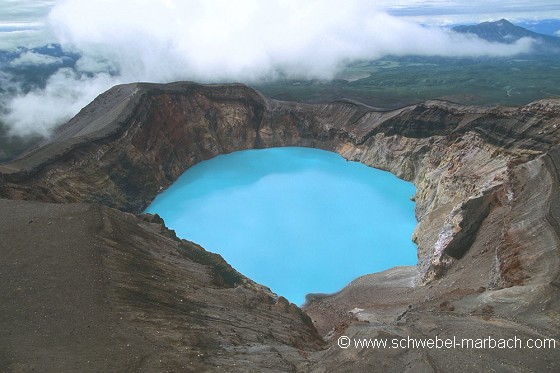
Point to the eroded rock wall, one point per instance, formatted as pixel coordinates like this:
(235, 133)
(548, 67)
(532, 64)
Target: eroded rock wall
(487, 204)
(463, 160)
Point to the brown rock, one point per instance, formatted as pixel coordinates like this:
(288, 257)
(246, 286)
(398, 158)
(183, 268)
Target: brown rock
(487, 197)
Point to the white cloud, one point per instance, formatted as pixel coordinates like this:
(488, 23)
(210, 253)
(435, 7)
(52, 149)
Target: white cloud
(225, 40)
(95, 64)
(34, 59)
(28, 38)
(24, 10)
(64, 95)
(444, 12)
(245, 39)
(23, 23)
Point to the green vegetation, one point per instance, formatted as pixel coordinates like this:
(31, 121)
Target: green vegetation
(397, 81)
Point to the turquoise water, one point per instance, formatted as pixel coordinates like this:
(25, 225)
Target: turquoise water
(296, 220)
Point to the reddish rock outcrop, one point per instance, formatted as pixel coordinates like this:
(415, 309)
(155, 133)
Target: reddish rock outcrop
(487, 181)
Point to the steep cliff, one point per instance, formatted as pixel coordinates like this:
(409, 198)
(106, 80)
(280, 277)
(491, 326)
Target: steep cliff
(487, 196)
(89, 288)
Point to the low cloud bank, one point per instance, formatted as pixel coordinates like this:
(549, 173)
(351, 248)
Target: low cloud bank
(221, 40)
(35, 59)
(66, 92)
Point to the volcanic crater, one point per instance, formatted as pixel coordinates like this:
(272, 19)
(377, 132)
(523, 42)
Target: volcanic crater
(93, 284)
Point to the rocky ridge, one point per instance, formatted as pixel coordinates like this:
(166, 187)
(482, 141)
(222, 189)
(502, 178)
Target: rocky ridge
(487, 199)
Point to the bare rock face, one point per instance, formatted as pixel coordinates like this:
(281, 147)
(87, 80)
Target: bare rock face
(487, 198)
(90, 288)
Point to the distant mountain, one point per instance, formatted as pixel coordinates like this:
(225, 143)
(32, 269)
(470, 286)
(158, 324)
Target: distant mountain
(503, 31)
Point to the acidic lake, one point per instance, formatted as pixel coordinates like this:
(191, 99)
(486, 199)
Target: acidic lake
(296, 220)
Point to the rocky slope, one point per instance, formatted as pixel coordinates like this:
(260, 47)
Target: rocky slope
(89, 288)
(488, 214)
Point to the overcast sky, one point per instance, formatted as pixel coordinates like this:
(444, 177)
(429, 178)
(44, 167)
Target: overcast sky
(25, 23)
(231, 40)
(32, 13)
(472, 11)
